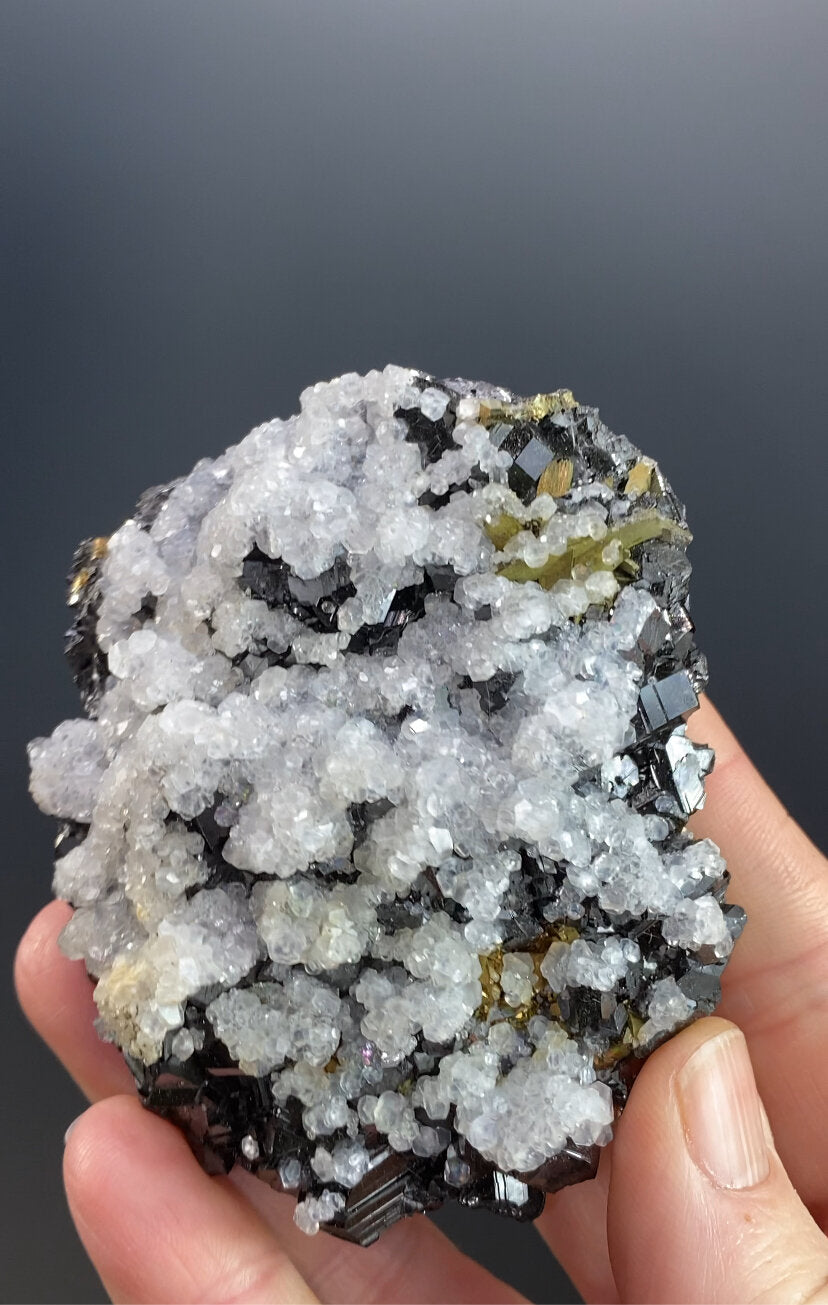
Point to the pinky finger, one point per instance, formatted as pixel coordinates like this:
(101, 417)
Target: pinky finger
(156, 1227)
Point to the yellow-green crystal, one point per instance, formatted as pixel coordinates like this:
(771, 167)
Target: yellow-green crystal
(584, 551)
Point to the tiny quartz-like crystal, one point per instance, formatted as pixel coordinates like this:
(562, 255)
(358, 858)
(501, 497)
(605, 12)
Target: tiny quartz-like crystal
(375, 826)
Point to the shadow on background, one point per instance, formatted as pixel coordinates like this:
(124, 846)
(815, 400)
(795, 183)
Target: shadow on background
(212, 206)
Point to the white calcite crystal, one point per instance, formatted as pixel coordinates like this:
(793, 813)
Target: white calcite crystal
(375, 827)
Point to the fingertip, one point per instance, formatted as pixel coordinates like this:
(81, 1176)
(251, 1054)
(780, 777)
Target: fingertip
(101, 1146)
(643, 1129)
(35, 953)
(155, 1225)
(104, 1133)
(700, 1207)
(87, 1136)
(55, 995)
(667, 1061)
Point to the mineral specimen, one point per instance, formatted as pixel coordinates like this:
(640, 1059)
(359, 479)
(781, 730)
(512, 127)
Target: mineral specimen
(375, 831)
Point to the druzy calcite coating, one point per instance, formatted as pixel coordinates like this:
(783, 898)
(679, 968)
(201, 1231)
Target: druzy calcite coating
(375, 824)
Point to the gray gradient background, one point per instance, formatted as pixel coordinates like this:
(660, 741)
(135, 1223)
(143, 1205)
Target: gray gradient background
(210, 205)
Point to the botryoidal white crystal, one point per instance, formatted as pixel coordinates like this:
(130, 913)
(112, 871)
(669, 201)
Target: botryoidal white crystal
(345, 781)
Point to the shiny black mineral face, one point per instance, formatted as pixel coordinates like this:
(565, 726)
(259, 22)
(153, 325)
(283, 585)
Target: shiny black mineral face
(375, 829)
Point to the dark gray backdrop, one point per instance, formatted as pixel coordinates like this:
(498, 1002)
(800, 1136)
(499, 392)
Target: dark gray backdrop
(209, 206)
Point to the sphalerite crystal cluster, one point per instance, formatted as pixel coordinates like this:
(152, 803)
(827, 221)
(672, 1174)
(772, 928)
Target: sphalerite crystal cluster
(375, 828)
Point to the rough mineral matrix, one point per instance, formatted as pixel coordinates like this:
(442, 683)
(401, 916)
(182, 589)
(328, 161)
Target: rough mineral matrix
(375, 829)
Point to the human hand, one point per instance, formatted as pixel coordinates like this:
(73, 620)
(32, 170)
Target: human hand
(695, 1199)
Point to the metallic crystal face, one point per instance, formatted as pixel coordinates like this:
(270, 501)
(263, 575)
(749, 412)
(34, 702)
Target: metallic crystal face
(376, 827)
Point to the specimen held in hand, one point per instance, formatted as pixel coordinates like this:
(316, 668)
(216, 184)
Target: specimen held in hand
(375, 827)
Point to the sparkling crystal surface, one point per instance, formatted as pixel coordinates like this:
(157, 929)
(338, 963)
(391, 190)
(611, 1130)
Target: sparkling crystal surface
(375, 824)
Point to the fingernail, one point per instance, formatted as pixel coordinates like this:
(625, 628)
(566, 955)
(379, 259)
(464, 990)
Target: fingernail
(69, 1130)
(723, 1118)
